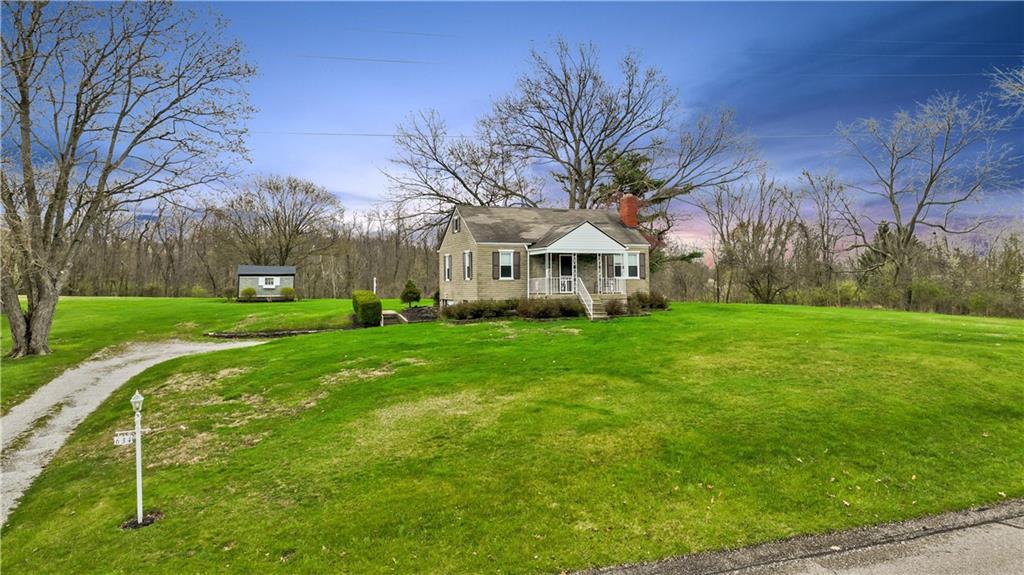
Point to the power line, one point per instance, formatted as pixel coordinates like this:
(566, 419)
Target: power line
(360, 59)
(867, 54)
(896, 75)
(948, 42)
(399, 32)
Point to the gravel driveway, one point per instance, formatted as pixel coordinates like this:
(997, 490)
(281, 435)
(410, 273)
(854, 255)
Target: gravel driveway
(33, 431)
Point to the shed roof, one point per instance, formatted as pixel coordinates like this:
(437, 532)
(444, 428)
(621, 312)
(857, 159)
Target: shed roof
(248, 270)
(541, 225)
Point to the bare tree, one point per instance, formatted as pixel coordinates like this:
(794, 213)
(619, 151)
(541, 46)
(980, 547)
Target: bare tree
(105, 105)
(567, 115)
(1009, 85)
(763, 236)
(923, 165)
(823, 229)
(278, 220)
(721, 207)
(434, 171)
(705, 155)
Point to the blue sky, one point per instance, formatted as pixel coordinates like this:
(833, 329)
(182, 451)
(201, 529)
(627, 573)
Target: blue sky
(790, 70)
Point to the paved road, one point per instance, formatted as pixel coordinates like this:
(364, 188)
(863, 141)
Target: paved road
(36, 428)
(989, 549)
(982, 541)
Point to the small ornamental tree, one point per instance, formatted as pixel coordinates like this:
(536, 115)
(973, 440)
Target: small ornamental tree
(411, 294)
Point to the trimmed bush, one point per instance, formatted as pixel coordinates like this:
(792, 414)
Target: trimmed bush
(366, 308)
(482, 309)
(248, 294)
(288, 293)
(642, 301)
(437, 298)
(411, 294)
(529, 308)
(550, 308)
(614, 307)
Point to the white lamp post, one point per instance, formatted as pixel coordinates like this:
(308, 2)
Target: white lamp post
(137, 406)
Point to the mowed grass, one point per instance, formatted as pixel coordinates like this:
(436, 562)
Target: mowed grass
(85, 325)
(538, 447)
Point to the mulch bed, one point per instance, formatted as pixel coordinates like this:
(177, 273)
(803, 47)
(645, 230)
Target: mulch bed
(149, 518)
(269, 334)
(419, 314)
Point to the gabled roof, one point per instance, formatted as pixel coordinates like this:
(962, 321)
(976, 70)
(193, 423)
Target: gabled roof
(532, 226)
(247, 270)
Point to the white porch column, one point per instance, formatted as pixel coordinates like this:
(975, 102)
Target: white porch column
(599, 259)
(575, 273)
(528, 290)
(547, 273)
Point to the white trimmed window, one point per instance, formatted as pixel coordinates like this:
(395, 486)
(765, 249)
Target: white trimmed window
(456, 224)
(268, 282)
(633, 266)
(627, 266)
(505, 265)
(447, 267)
(467, 265)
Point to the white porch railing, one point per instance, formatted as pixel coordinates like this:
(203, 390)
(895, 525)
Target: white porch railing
(555, 285)
(584, 295)
(567, 285)
(611, 285)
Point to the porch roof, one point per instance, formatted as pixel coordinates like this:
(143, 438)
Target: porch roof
(584, 237)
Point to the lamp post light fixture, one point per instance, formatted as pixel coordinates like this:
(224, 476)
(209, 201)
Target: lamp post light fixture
(137, 406)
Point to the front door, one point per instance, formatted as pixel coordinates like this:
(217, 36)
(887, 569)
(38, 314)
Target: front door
(565, 279)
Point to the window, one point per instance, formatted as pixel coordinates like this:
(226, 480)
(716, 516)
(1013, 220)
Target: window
(447, 267)
(505, 266)
(633, 265)
(467, 265)
(268, 282)
(456, 224)
(617, 265)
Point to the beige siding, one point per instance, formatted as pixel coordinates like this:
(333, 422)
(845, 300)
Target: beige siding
(635, 285)
(488, 288)
(455, 243)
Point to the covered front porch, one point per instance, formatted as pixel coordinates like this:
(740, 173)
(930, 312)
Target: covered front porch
(570, 273)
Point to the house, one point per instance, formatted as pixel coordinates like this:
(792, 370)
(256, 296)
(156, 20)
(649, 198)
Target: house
(513, 253)
(268, 281)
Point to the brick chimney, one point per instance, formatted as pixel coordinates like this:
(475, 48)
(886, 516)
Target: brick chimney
(629, 206)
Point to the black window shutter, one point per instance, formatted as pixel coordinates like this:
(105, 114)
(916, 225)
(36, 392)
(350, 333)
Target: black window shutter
(495, 265)
(643, 266)
(515, 265)
(470, 264)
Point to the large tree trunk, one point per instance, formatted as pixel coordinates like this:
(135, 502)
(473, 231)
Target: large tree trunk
(40, 320)
(16, 318)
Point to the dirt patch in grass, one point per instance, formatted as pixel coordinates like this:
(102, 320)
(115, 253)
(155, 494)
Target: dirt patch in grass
(417, 428)
(189, 450)
(356, 374)
(187, 325)
(366, 373)
(193, 381)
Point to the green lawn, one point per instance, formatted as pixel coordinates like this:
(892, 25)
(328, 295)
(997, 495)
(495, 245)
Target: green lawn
(536, 447)
(85, 325)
